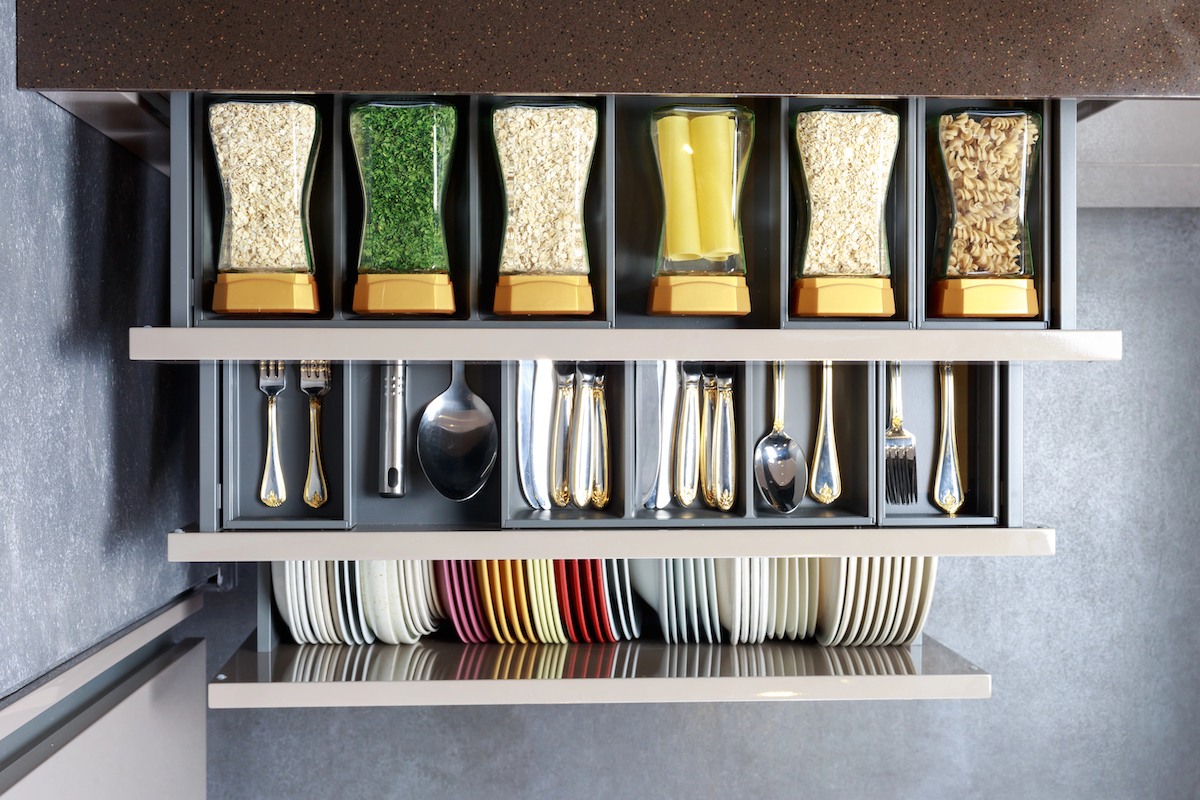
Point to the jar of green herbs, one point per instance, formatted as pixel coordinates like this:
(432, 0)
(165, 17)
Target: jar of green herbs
(403, 150)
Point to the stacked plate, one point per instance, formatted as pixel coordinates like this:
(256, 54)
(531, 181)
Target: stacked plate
(874, 601)
(354, 602)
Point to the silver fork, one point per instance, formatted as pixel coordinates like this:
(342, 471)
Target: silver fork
(314, 382)
(899, 449)
(272, 380)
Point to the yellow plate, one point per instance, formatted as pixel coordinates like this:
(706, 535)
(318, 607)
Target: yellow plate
(533, 589)
(506, 622)
(485, 591)
(511, 602)
(524, 600)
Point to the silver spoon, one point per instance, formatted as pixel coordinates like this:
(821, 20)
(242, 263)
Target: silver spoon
(457, 440)
(778, 461)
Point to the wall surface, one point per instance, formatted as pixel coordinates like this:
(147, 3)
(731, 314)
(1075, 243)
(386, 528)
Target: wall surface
(1141, 154)
(96, 452)
(1093, 651)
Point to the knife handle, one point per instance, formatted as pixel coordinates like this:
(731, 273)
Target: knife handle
(564, 401)
(724, 449)
(947, 485)
(708, 466)
(581, 444)
(393, 421)
(600, 466)
(687, 443)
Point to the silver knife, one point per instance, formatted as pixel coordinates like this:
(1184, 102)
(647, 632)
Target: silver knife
(543, 421)
(666, 432)
(648, 378)
(687, 437)
(525, 377)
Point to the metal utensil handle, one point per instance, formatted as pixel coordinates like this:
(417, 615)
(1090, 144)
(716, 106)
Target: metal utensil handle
(708, 465)
(687, 443)
(393, 423)
(896, 396)
(777, 426)
(525, 377)
(947, 486)
(724, 448)
(581, 443)
(825, 484)
(564, 402)
(600, 464)
(315, 490)
(273, 492)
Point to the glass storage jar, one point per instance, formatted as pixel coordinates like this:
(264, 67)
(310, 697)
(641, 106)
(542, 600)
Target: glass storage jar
(983, 163)
(265, 155)
(702, 153)
(545, 154)
(845, 159)
(403, 150)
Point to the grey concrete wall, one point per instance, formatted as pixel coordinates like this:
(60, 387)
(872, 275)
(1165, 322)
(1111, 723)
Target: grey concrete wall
(97, 454)
(1094, 652)
(1141, 154)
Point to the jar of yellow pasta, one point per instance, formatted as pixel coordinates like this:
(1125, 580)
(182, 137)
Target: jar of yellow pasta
(983, 169)
(702, 153)
(845, 159)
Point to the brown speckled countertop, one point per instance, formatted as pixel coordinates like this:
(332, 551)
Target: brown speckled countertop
(1101, 48)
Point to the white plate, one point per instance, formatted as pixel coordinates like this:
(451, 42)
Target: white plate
(728, 592)
(328, 598)
(834, 574)
(927, 582)
(349, 600)
(398, 596)
(645, 575)
(912, 600)
(674, 615)
(898, 591)
(871, 636)
(779, 607)
(689, 584)
(706, 634)
(295, 577)
(533, 593)
(870, 601)
(616, 623)
(773, 604)
(797, 601)
(854, 571)
(435, 602)
(373, 578)
(358, 572)
(710, 578)
(616, 598)
(312, 599)
(333, 585)
(631, 606)
(744, 602)
(280, 590)
(414, 574)
(682, 631)
(814, 594)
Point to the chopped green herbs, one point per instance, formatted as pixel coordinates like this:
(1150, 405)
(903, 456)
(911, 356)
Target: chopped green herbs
(403, 159)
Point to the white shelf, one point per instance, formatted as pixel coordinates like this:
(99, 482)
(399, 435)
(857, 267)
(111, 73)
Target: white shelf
(582, 344)
(436, 673)
(342, 545)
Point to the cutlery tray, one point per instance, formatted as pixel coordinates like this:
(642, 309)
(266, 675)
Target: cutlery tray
(987, 405)
(623, 216)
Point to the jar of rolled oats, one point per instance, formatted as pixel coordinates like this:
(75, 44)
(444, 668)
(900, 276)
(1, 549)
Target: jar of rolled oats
(545, 154)
(845, 157)
(265, 155)
(983, 163)
(702, 152)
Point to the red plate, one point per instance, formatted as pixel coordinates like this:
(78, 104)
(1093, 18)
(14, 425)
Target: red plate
(564, 598)
(589, 593)
(577, 601)
(601, 591)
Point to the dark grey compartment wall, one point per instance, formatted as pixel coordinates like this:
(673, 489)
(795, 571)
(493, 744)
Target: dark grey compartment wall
(1093, 651)
(97, 452)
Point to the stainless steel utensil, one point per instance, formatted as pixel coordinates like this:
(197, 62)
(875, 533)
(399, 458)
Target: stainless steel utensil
(708, 412)
(582, 428)
(648, 384)
(723, 474)
(948, 492)
(825, 480)
(543, 418)
(457, 440)
(272, 379)
(899, 447)
(315, 377)
(393, 422)
(687, 437)
(560, 437)
(779, 466)
(600, 459)
(666, 447)
(526, 373)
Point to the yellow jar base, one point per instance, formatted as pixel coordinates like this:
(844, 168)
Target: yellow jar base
(699, 295)
(543, 295)
(985, 297)
(386, 293)
(265, 293)
(843, 297)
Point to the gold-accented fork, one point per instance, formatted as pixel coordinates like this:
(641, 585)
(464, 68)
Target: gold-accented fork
(315, 377)
(899, 448)
(272, 379)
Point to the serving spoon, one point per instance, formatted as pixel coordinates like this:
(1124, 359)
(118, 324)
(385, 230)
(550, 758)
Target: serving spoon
(778, 461)
(457, 440)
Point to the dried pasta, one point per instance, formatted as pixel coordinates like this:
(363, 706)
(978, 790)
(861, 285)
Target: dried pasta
(988, 161)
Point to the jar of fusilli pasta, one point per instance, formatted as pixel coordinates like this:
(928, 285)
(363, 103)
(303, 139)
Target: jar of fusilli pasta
(845, 159)
(984, 164)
